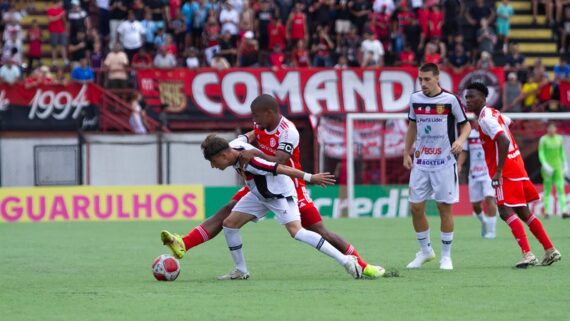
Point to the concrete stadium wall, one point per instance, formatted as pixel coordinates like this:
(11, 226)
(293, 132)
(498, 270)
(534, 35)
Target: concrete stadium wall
(108, 160)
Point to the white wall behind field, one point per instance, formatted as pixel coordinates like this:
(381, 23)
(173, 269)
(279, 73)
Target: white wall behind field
(110, 160)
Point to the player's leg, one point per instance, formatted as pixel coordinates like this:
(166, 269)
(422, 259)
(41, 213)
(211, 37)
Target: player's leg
(287, 214)
(546, 194)
(551, 255)
(420, 191)
(517, 229)
(204, 232)
(248, 208)
(558, 178)
(446, 192)
(491, 217)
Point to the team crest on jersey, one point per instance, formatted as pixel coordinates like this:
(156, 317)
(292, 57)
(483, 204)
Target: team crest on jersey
(428, 109)
(417, 154)
(272, 142)
(440, 109)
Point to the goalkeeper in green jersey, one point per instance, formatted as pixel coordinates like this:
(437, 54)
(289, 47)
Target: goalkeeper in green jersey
(554, 167)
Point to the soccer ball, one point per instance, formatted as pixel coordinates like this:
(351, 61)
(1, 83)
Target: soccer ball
(165, 268)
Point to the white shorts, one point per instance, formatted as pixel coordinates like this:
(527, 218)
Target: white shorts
(480, 189)
(285, 209)
(441, 186)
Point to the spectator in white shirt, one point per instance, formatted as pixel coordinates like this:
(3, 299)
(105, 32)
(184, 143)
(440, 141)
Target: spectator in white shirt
(131, 33)
(229, 19)
(372, 51)
(379, 4)
(164, 59)
(10, 73)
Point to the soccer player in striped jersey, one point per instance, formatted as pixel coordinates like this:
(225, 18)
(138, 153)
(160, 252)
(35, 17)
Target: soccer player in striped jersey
(513, 188)
(270, 189)
(480, 188)
(434, 117)
(278, 141)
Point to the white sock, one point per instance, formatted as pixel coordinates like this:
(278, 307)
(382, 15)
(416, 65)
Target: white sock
(480, 217)
(491, 223)
(233, 239)
(446, 239)
(318, 242)
(425, 243)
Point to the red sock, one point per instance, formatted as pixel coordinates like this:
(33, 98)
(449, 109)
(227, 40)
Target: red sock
(196, 237)
(517, 228)
(352, 251)
(537, 229)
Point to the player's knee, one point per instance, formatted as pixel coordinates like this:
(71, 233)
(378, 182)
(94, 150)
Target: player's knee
(229, 222)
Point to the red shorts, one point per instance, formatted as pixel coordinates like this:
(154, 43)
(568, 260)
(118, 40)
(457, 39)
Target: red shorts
(309, 213)
(516, 193)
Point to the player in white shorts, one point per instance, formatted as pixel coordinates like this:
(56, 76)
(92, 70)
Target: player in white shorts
(434, 116)
(270, 189)
(480, 187)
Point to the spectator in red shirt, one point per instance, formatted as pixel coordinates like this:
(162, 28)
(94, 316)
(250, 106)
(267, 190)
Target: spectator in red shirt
(407, 56)
(277, 33)
(300, 55)
(277, 58)
(322, 48)
(56, 28)
(423, 14)
(35, 48)
(405, 16)
(431, 55)
(435, 22)
(297, 25)
(142, 59)
(380, 25)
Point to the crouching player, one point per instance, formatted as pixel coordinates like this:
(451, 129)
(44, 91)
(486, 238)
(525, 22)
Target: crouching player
(270, 189)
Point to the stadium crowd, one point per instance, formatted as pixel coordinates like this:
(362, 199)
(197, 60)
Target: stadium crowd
(117, 35)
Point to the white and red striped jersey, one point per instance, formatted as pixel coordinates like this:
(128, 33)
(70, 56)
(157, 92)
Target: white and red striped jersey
(261, 175)
(477, 165)
(491, 124)
(285, 138)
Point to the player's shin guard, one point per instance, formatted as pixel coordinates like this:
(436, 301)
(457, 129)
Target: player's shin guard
(446, 240)
(517, 228)
(233, 239)
(537, 229)
(196, 237)
(425, 242)
(318, 242)
(352, 251)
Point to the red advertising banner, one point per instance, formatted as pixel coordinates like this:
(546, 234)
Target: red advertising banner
(565, 93)
(208, 93)
(46, 107)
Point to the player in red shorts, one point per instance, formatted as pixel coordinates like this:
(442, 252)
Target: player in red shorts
(513, 188)
(278, 140)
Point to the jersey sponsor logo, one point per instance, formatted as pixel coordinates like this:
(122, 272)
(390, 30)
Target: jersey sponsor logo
(427, 130)
(431, 150)
(479, 169)
(430, 120)
(267, 148)
(514, 155)
(430, 162)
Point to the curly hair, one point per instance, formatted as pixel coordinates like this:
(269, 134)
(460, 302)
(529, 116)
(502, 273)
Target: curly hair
(213, 145)
(480, 87)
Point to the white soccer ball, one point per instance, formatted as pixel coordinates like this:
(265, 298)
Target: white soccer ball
(165, 268)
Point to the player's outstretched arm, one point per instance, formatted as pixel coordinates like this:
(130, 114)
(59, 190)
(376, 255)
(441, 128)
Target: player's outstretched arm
(410, 138)
(503, 144)
(457, 145)
(322, 179)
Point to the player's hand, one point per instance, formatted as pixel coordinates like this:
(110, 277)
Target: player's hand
(323, 179)
(497, 180)
(457, 147)
(547, 169)
(408, 161)
(246, 156)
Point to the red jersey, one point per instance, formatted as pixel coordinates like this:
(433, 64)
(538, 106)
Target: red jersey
(284, 138)
(277, 35)
(301, 57)
(423, 19)
(57, 26)
(491, 124)
(436, 23)
(298, 26)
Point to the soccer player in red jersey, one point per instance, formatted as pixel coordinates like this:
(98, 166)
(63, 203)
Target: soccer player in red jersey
(513, 188)
(278, 140)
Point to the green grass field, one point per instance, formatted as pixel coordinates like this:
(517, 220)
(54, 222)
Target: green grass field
(101, 271)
